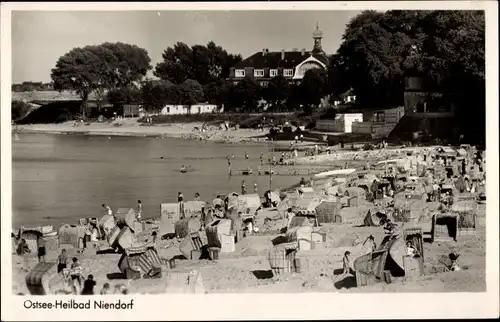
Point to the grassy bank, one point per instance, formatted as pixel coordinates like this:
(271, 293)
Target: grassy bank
(244, 120)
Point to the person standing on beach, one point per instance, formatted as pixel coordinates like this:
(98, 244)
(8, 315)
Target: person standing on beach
(139, 210)
(180, 200)
(108, 211)
(76, 275)
(62, 261)
(261, 158)
(246, 155)
(346, 265)
(243, 187)
(41, 249)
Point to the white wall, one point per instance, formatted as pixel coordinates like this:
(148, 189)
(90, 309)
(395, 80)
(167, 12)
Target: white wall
(184, 109)
(342, 123)
(349, 119)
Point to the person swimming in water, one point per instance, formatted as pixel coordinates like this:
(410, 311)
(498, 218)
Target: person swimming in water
(183, 168)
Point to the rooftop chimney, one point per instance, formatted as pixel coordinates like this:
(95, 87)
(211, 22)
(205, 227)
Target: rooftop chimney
(303, 51)
(282, 54)
(263, 51)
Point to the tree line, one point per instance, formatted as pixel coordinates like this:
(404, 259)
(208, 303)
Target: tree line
(32, 86)
(378, 50)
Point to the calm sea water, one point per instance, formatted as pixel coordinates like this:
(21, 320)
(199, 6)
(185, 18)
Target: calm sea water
(60, 178)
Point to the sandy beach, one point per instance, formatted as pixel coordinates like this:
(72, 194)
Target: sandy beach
(130, 127)
(247, 269)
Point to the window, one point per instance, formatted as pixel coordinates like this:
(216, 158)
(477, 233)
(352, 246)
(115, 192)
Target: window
(240, 73)
(379, 117)
(168, 110)
(258, 73)
(288, 72)
(273, 72)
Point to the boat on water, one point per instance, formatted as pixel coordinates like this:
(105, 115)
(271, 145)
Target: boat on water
(183, 169)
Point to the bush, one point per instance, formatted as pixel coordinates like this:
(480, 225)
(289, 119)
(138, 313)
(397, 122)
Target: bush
(329, 114)
(245, 120)
(55, 112)
(19, 110)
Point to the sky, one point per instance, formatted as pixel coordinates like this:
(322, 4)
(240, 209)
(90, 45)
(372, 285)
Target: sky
(39, 38)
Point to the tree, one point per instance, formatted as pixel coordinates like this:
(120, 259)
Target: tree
(379, 49)
(205, 64)
(370, 59)
(127, 64)
(77, 70)
(453, 52)
(246, 94)
(100, 68)
(125, 95)
(191, 92)
(277, 91)
(19, 109)
(313, 88)
(156, 95)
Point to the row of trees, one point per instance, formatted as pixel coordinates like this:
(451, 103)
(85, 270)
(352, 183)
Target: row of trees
(377, 52)
(32, 86)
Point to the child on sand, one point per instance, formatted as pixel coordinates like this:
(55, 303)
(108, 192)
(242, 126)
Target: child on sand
(76, 275)
(88, 285)
(62, 261)
(346, 265)
(411, 250)
(105, 289)
(121, 289)
(23, 248)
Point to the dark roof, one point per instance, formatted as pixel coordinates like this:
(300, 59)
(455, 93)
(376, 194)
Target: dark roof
(322, 58)
(273, 59)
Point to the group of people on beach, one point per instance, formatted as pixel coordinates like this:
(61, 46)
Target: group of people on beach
(75, 282)
(22, 247)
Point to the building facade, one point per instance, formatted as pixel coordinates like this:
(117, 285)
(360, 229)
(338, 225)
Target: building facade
(342, 123)
(189, 109)
(263, 66)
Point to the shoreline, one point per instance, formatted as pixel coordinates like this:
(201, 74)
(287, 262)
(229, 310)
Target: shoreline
(172, 130)
(184, 131)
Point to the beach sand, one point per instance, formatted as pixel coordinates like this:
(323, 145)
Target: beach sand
(130, 127)
(247, 270)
